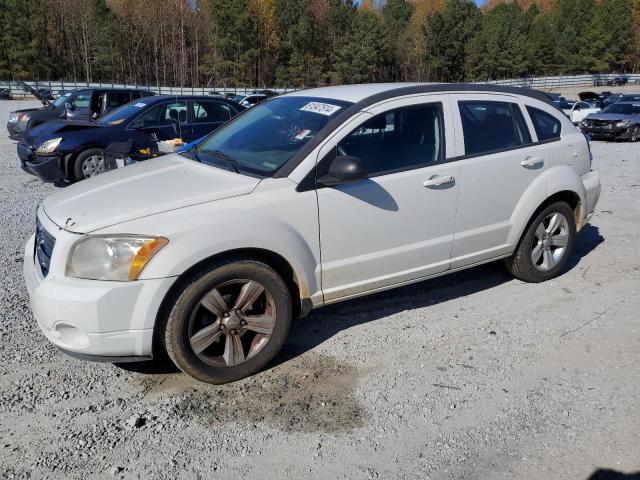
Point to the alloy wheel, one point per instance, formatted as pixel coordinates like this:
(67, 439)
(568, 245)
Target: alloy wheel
(232, 323)
(92, 166)
(550, 241)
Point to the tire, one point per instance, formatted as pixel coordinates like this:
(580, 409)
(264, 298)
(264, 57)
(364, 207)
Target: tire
(81, 166)
(635, 134)
(552, 260)
(197, 317)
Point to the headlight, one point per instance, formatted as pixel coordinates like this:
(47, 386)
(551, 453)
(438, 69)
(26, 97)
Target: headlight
(623, 124)
(112, 257)
(13, 117)
(49, 146)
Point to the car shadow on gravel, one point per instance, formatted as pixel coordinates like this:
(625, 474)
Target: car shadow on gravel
(324, 323)
(606, 474)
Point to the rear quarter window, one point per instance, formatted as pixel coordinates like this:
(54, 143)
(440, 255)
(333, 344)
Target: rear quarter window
(547, 126)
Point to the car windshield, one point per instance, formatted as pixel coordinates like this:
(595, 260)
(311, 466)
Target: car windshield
(122, 113)
(624, 108)
(261, 140)
(239, 98)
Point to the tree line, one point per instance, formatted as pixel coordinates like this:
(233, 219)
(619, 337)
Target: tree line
(298, 43)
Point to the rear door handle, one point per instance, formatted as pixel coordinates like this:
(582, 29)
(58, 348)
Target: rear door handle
(532, 162)
(438, 180)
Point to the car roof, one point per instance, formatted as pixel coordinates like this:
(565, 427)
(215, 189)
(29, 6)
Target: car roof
(372, 92)
(160, 98)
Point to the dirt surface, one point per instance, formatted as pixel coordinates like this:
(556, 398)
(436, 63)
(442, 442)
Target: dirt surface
(470, 376)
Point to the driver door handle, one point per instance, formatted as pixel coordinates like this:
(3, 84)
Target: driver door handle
(438, 180)
(532, 162)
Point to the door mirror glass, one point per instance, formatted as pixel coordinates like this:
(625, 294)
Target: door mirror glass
(344, 169)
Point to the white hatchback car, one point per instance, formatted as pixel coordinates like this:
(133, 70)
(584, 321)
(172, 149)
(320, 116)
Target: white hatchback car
(307, 199)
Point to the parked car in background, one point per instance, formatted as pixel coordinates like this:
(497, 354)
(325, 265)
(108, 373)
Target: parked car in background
(45, 94)
(592, 98)
(580, 110)
(5, 94)
(312, 198)
(618, 81)
(250, 100)
(555, 97)
(565, 106)
(630, 97)
(63, 150)
(83, 104)
(619, 121)
(611, 99)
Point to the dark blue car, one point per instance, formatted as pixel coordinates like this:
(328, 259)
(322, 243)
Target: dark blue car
(62, 150)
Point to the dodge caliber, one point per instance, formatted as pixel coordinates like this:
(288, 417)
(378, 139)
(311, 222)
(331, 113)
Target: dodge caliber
(305, 200)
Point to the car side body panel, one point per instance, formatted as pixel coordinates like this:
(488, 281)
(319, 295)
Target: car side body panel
(274, 218)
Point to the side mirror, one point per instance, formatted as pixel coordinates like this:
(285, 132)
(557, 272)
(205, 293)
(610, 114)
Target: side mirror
(69, 106)
(95, 115)
(344, 169)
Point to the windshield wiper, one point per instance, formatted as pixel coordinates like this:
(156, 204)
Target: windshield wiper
(222, 156)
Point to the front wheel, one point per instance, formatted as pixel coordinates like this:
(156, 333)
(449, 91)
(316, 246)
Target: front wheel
(229, 321)
(89, 164)
(545, 248)
(635, 133)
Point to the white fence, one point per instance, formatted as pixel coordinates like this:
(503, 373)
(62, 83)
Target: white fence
(561, 81)
(18, 92)
(528, 82)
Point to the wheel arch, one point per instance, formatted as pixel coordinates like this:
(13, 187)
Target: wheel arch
(300, 304)
(568, 196)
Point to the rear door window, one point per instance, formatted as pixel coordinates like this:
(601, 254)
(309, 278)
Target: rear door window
(547, 126)
(115, 99)
(492, 126)
(209, 111)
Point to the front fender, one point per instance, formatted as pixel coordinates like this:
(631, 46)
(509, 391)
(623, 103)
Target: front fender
(199, 232)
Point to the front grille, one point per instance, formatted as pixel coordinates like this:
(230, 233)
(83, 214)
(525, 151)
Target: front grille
(601, 123)
(43, 248)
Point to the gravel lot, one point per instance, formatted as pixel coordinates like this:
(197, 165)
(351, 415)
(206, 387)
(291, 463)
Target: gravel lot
(474, 375)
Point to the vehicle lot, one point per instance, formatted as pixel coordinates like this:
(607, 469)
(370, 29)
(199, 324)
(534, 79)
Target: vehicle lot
(475, 375)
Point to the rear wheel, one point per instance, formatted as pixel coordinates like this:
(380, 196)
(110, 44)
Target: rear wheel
(89, 164)
(545, 248)
(635, 133)
(229, 321)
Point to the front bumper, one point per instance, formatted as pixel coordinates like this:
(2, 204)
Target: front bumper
(94, 319)
(592, 189)
(47, 169)
(14, 132)
(613, 133)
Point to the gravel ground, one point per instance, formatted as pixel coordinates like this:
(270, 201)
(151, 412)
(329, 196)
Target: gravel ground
(474, 375)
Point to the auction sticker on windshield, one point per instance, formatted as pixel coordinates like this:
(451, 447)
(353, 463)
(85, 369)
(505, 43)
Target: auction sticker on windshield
(321, 108)
(140, 105)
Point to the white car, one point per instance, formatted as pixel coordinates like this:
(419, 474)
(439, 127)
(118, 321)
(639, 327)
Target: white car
(309, 199)
(580, 110)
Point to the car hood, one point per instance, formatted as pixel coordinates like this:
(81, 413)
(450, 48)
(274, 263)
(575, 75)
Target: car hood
(34, 91)
(57, 127)
(584, 96)
(146, 188)
(611, 117)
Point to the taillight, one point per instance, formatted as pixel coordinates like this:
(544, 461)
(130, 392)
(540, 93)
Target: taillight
(589, 149)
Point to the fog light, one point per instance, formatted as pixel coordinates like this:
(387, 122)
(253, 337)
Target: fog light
(71, 336)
